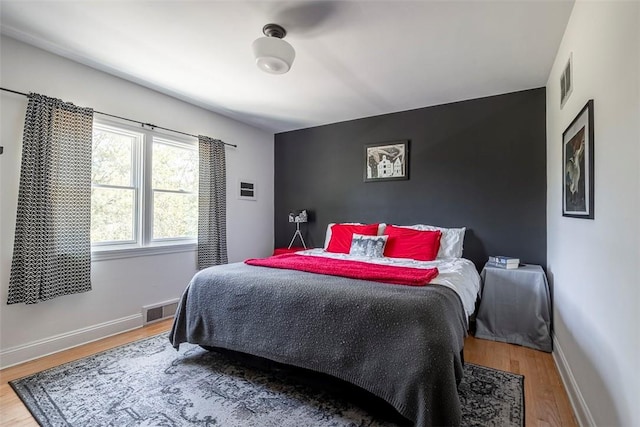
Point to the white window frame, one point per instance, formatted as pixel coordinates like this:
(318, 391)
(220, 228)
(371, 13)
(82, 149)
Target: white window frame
(174, 142)
(136, 152)
(142, 153)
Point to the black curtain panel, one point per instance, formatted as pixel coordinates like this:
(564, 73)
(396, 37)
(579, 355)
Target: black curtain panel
(52, 247)
(212, 201)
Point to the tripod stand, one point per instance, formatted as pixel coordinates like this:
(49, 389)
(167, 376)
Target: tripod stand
(297, 233)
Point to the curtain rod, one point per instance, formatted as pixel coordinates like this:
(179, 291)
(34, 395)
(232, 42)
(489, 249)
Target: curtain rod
(152, 126)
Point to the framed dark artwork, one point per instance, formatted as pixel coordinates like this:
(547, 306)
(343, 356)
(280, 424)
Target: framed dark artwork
(577, 166)
(386, 161)
(566, 81)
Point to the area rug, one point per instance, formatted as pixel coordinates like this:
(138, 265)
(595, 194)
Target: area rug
(148, 383)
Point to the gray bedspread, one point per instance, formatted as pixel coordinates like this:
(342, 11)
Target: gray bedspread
(400, 343)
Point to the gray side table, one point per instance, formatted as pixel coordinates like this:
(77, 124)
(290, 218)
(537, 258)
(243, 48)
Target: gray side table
(515, 307)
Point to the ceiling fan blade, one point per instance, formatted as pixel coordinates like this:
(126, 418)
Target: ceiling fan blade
(309, 18)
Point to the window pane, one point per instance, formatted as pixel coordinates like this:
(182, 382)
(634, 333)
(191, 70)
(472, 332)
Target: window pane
(112, 158)
(112, 215)
(174, 168)
(174, 215)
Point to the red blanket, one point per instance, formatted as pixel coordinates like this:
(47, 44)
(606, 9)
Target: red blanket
(352, 269)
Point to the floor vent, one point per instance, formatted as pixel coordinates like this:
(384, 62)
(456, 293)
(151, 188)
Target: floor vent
(156, 312)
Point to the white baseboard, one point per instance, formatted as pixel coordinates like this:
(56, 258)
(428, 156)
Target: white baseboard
(580, 408)
(44, 347)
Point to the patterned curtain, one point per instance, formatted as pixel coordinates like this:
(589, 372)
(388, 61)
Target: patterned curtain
(212, 200)
(52, 247)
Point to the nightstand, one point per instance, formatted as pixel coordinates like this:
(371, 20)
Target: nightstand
(280, 251)
(515, 307)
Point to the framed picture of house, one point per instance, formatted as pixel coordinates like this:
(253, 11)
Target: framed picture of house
(577, 166)
(386, 161)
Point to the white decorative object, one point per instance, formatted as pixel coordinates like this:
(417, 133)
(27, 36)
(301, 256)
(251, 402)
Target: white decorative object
(273, 55)
(298, 217)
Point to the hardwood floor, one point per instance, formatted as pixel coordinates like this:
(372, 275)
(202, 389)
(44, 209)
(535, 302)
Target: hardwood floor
(546, 402)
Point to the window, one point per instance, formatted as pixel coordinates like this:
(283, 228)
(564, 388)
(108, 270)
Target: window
(175, 190)
(115, 185)
(144, 190)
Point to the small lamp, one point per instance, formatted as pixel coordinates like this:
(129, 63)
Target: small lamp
(298, 217)
(273, 55)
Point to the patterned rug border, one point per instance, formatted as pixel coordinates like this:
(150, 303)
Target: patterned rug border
(24, 399)
(520, 378)
(150, 337)
(20, 394)
(489, 368)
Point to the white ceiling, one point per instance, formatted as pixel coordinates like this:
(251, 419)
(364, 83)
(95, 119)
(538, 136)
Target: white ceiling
(353, 58)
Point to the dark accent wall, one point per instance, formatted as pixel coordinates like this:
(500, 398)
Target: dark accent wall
(479, 163)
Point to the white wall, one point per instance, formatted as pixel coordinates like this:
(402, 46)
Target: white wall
(120, 287)
(595, 264)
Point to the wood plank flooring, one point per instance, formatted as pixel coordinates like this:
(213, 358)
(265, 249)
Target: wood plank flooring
(546, 402)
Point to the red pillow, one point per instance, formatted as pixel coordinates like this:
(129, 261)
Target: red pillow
(342, 234)
(415, 244)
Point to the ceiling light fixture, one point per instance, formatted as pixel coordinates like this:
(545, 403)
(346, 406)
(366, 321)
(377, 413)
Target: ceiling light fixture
(273, 55)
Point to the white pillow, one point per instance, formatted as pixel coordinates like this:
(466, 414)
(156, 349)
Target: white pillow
(327, 236)
(450, 242)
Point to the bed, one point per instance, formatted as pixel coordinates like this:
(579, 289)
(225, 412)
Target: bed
(401, 343)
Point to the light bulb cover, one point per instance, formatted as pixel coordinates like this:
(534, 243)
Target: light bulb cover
(273, 55)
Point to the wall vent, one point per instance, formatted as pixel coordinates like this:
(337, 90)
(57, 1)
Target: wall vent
(247, 189)
(156, 312)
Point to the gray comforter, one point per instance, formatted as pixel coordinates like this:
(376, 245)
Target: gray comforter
(400, 343)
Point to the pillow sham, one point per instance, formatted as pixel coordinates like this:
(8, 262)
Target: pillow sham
(342, 235)
(327, 236)
(371, 246)
(450, 243)
(414, 244)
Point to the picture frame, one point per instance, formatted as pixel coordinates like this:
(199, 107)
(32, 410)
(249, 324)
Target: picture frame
(566, 81)
(386, 161)
(578, 165)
